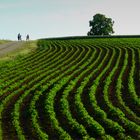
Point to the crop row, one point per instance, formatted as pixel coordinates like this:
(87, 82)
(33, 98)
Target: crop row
(72, 89)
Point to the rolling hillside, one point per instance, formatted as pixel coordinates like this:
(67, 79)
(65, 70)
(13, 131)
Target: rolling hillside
(73, 89)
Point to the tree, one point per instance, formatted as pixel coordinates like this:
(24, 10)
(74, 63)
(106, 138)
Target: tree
(101, 25)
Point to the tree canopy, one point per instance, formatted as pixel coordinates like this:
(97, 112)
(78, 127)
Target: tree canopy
(101, 25)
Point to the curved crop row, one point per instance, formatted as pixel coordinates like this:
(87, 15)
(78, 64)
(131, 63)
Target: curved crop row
(72, 89)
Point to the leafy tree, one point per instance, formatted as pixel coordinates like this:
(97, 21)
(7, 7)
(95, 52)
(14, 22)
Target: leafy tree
(101, 25)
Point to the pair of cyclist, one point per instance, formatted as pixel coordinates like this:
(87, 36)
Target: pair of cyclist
(19, 37)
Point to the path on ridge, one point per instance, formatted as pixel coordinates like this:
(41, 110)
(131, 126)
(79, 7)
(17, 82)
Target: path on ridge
(10, 47)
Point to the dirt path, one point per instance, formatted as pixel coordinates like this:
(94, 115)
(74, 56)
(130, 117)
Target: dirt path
(9, 47)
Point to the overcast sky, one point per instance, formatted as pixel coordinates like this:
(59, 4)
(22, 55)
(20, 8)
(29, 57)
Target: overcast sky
(54, 18)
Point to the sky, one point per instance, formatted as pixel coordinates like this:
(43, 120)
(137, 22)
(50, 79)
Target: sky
(58, 18)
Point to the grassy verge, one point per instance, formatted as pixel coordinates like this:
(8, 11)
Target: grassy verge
(14, 57)
(26, 48)
(4, 41)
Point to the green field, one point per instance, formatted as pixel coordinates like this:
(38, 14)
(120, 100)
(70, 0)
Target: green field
(72, 89)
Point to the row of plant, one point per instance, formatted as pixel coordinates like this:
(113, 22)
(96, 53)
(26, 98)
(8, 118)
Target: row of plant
(81, 111)
(107, 123)
(59, 68)
(25, 60)
(65, 109)
(131, 84)
(128, 112)
(37, 61)
(88, 78)
(41, 61)
(65, 104)
(50, 103)
(119, 85)
(16, 73)
(132, 124)
(11, 95)
(114, 111)
(30, 74)
(19, 103)
(36, 97)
